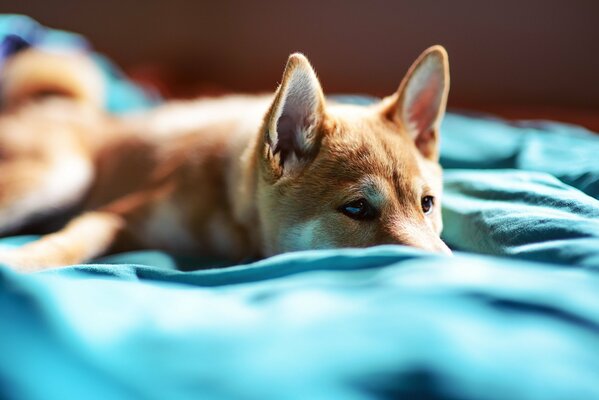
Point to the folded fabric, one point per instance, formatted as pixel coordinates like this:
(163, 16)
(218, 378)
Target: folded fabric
(568, 152)
(522, 214)
(385, 322)
(545, 209)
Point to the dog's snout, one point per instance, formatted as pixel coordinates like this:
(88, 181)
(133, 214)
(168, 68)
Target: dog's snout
(442, 248)
(424, 239)
(434, 245)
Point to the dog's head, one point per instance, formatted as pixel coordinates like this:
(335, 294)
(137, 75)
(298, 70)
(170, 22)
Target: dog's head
(333, 175)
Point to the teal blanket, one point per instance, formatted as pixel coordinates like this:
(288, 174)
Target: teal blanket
(513, 315)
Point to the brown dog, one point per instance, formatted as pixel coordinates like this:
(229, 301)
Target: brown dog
(233, 177)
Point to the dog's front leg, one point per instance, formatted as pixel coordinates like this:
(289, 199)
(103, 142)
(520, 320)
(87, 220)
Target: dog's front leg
(85, 237)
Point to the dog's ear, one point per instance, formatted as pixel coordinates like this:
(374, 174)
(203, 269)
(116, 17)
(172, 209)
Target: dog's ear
(293, 121)
(419, 104)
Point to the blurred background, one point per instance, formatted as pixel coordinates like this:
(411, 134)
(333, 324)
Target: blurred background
(518, 59)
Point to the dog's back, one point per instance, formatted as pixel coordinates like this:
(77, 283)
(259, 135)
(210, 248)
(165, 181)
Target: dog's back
(169, 168)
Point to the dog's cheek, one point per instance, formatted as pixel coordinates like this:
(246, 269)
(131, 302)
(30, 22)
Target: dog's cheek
(309, 234)
(437, 220)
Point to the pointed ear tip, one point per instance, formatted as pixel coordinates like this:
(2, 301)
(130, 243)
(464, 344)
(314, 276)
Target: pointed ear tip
(298, 62)
(437, 51)
(297, 58)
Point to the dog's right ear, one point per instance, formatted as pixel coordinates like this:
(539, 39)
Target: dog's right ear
(419, 104)
(293, 121)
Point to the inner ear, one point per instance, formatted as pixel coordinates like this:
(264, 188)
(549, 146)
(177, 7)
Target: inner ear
(420, 101)
(295, 116)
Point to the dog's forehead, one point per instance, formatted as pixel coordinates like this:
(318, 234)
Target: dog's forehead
(367, 146)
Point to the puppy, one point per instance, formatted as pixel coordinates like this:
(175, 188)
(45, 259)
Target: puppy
(235, 177)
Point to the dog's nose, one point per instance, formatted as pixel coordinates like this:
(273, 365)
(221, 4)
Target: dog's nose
(435, 245)
(441, 247)
(429, 242)
(421, 237)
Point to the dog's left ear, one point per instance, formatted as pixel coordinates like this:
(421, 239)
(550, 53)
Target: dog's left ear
(294, 118)
(419, 104)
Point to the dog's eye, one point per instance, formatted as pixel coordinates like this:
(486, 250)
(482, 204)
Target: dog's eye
(427, 203)
(359, 209)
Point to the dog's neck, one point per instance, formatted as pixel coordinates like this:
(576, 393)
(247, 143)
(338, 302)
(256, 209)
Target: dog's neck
(242, 185)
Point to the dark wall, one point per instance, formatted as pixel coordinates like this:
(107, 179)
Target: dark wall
(517, 52)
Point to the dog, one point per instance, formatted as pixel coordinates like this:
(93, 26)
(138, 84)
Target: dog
(237, 177)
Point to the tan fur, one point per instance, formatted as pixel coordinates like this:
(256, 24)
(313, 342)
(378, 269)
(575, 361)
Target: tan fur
(213, 177)
(35, 73)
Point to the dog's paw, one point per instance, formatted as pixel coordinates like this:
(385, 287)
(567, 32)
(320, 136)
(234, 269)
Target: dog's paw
(17, 260)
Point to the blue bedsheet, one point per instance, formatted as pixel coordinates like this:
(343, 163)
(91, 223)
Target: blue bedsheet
(519, 322)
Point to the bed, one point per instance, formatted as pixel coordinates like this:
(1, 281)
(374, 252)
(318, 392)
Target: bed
(514, 314)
